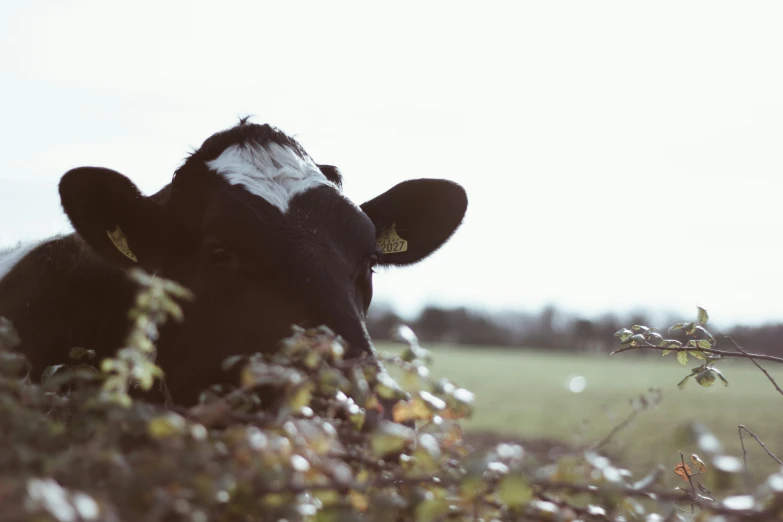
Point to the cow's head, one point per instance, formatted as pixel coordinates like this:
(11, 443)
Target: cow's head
(264, 238)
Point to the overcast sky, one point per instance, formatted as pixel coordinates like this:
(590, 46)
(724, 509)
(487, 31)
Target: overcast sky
(617, 155)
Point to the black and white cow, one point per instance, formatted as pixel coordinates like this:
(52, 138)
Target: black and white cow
(260, 234)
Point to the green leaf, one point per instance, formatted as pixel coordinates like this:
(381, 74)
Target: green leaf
(706, 334)
(432, 402)
(705, 378)
(432, 509)
(514, 491)
(704, 343)
(702, 316)
(390, 438)
(682, 383)
(167, 425)
(689, 328)
(640, 328)
(623, 334)
(665, 352)
(699, 355)
(388, 388)
(301, 397)
(636, 340)
(677, 326)
(682, 357)
(720, 376)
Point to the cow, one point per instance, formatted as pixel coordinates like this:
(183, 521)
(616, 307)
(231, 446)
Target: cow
(260, 234)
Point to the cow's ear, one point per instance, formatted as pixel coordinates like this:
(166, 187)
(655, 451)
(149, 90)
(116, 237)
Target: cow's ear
(112, 216)
(413, 219)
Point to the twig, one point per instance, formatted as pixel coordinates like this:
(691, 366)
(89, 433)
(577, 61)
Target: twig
(745, 453)
(667, 495)
(614, 431)
(690, 479)
(751, 357)
(702, 350)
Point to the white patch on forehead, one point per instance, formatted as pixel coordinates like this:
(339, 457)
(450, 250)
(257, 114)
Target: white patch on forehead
(273, 172)
(9, 258)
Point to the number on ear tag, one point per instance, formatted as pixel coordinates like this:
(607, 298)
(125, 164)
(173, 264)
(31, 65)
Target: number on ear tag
(121, 242)
(391, 242)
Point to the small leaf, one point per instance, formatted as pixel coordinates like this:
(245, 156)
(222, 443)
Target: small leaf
(681, 385)
(683, 471)
(698, 463)
(359, 501)
(635, 340)
(623, 334)
(699, 355)
(167, 425)
(672, 343)
(514, 491)
(388, 388)
(665, 352)
(301, 398)
(432, 509)
(433, 403)
(682, 357)
(654, 338)
(706, 334)
(706, 378)
(460, 404)
(390, 438)
(640, 328)
(720, 376)
(689, 328)
(677, 326)
(702, 316)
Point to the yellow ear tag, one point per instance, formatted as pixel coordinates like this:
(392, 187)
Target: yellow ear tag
(121, 242)
(391, 242)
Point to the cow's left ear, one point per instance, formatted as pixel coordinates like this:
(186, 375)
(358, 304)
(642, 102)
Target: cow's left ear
(415, 218)
(112, 216)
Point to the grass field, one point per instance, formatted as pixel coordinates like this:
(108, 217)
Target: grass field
(526, 394)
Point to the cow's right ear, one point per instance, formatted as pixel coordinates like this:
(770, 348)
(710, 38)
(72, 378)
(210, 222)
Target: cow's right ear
(107, 210)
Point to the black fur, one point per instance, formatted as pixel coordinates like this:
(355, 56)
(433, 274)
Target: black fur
(254, 270)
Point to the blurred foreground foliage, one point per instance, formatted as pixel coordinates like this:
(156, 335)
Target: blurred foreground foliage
(304, 436)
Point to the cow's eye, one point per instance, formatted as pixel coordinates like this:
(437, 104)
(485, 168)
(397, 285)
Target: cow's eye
(219, 256)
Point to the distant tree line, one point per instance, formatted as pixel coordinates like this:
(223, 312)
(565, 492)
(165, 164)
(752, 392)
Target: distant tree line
(548, 328)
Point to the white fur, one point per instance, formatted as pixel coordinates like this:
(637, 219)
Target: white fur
(9, 258)
(273, 172)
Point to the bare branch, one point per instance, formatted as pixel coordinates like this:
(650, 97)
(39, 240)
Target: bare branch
(744, 453)
(690, 479)
(614, 431)
(751, 357)
(710, 351)
(680, 495)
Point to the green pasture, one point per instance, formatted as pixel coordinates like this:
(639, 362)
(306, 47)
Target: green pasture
(525, 394)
